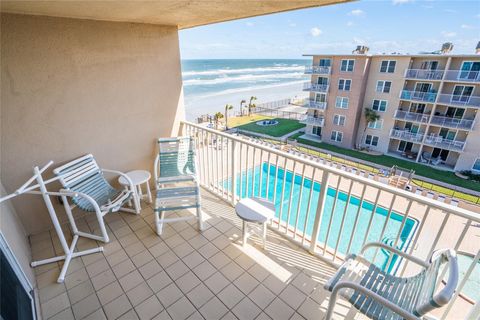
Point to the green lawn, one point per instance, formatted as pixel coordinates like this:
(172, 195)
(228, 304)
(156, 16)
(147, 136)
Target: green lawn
(238, 121)
(282, 128)
(388, 161)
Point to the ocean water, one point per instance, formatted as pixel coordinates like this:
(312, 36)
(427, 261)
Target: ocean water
(210, 84)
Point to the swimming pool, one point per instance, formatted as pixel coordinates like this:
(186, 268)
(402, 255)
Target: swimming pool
(366, 211)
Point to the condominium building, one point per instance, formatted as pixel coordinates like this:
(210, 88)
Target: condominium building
(427, 105)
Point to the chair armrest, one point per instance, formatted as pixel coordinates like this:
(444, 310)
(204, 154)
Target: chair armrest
(396, 251)
(155, 168)
(369, 293)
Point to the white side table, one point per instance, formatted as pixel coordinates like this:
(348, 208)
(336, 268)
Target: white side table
(138, 178)
(256, 210)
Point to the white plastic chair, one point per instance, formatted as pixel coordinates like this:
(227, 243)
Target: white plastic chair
(380, 295)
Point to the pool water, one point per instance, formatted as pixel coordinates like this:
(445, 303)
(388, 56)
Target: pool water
(366, 211)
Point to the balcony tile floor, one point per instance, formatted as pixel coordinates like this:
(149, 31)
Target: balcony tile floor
(184, 274)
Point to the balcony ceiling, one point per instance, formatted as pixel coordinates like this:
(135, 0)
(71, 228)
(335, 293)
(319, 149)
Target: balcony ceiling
(181, 13)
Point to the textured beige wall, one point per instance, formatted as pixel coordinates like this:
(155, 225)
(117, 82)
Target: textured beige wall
(392, 98)
(71, 87)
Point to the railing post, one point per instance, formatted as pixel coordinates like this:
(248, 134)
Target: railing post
(320, 207)
(181, 128)
(234, 173)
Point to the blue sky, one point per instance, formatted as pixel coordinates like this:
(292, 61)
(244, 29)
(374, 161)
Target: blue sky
(406, 26)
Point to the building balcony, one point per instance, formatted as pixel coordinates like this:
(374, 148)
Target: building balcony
(440, 142)
(310, 120)
(406, 135)
(411, 116)
(318, 70)
(422, 74)
(418, 96)
(210, 274)
(462, 76)
(463, 124)
(312, 104)
(458, 100)
(314, 87)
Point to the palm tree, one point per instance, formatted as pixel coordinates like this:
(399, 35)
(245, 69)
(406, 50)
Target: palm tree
(370, 115)
(241, 106)
(217, 118)
(251, 105)
(227, 107)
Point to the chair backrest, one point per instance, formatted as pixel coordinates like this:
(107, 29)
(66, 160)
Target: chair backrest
(428, 296)
(176, 157)
(84, 175)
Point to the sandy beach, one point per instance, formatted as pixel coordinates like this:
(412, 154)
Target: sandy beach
(216, 102)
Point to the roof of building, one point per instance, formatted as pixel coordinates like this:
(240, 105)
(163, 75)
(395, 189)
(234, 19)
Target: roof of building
(401, 55)
(181, 13)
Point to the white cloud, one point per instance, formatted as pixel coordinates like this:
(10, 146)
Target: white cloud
(356, 13)
(315, 32)
(292, 24)
(449, 34)
(450, 10)
(249, 24)
(466, 26)
(350, 23)
(359, 41)
(395, 2)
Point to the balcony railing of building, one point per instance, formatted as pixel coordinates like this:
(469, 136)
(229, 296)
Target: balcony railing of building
(459, 100)
(313, 121)
(411, 116)
(317, 70)
(317, 206)
(465, 124)
(308, 86)
(406, 135)
(423, 74)
(312, 104)
(418, 96)
(440, 142)
(462, 76)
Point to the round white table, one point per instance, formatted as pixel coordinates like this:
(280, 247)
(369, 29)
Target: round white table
(256, 210)
(138, 178)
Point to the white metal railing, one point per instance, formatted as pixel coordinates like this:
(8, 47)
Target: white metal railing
(332, 212)
(411, 116)
(313, 121)
(312, 104)
(308, 86)
(424, 74)
(317, 70)
(463, 76)
(440, 142)
(459, 100)
(466, 124)
(418, 96)
(406, 135)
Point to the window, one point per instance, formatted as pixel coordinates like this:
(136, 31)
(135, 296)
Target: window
(470, 70)
(476, 166)
(347, 65)
(336, 136)
(384, 86)
(339, 120)
(429, 65)
(388, 66)
(379, 105)
(341, 102)
(371, 140)
(322, 81)
(324, 63)
(378, 124)
(344, 84)
(320, 97)
(317, 131)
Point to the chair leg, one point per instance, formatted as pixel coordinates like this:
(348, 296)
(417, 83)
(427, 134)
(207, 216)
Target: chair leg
(103, 230)
(159, 216)
(331, 306)
(199, 210)
(149, 193)
(264, 235)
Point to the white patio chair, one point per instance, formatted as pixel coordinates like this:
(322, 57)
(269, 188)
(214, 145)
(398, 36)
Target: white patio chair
(176, 180)
(380, 295)
(94, 194)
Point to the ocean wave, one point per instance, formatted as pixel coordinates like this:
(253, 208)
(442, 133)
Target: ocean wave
(245, 78)
(243, 89)
(244, 70)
